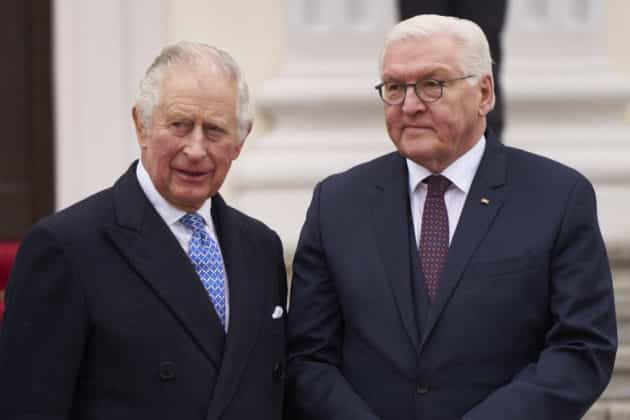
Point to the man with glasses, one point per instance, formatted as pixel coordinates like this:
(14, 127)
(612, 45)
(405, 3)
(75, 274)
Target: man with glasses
(456, 278)
(490, 15)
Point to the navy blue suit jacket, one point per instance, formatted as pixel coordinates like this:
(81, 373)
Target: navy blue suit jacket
(107, 319)
(523, 325)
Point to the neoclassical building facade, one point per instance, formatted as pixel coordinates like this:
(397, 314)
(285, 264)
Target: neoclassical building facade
(312, 65)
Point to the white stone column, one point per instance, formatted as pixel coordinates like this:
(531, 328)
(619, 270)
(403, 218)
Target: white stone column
(325, 113)
(565, 101)
(101, 49)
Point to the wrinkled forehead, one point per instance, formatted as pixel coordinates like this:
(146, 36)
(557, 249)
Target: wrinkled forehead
(197, 93)
(203, 79)
(203, 69)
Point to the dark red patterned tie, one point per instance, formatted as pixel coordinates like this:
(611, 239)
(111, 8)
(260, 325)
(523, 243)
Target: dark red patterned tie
(433, 246)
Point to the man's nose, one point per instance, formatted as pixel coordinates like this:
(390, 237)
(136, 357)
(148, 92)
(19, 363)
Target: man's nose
(412, 102)
(195, 147)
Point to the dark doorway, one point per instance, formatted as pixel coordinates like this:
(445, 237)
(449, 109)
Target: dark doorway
(26, 133)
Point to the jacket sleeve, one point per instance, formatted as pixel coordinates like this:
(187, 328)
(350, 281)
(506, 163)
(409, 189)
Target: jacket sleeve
(43, 334)
(577, 360)
(316, 387)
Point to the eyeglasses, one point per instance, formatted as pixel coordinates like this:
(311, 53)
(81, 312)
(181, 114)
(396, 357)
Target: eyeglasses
(429, 90)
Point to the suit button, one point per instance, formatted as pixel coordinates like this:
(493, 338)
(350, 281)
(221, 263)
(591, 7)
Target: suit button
(422, 389)
(167, 371)
(278, 372)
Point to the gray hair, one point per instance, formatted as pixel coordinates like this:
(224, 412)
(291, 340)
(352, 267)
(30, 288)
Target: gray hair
(148, 95)
(474, 50)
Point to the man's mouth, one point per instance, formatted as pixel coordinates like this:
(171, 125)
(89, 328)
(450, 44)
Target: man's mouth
(416, 127)
(192, 175)
(415, 130)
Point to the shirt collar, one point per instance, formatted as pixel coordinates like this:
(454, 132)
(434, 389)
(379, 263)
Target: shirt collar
(460, 173)
(169, 214)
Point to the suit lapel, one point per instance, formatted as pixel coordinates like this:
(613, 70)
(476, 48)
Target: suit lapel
(391, 229)
(150, 248)
(246, 299)
(474, 222)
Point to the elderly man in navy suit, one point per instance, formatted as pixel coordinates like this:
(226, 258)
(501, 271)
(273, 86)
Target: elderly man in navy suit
(455, 278)
(154, 299)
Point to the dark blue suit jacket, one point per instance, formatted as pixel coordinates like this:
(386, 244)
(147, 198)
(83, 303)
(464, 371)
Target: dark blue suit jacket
(107, 319)
(523, 325)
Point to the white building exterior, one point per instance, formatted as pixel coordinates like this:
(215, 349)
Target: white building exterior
(313, 65)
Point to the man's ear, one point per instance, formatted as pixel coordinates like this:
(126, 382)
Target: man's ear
(486, 85)
(140, 128)
(248, 131)
(237, 149)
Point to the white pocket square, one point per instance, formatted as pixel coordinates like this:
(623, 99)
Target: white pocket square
(277, 312)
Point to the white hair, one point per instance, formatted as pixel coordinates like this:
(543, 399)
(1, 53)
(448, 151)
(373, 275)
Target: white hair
(474, 51)
(148, 95)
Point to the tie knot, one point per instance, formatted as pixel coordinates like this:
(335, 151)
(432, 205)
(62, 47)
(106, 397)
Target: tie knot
(193, 222)
(437, 184)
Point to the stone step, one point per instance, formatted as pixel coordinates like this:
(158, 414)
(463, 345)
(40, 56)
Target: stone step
(622, 287)
(621, 282)
(623, 332)
(603, 410)
(615, 401)
(621, 278)
(619, 387)
(622, 308)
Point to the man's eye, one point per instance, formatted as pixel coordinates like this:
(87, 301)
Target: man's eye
(214, 131)
(180, 127)
(393, 87)
(430, 84)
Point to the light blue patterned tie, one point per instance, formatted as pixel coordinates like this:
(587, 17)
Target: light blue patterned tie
(206, 258)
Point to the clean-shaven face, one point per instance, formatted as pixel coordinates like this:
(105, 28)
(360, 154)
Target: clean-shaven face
(192, 141)
(434, 134)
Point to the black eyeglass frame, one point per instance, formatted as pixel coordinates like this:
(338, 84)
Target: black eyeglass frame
(441, 83)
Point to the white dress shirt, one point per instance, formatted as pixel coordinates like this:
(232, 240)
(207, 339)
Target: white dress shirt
(171, 216)
(461, 174)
